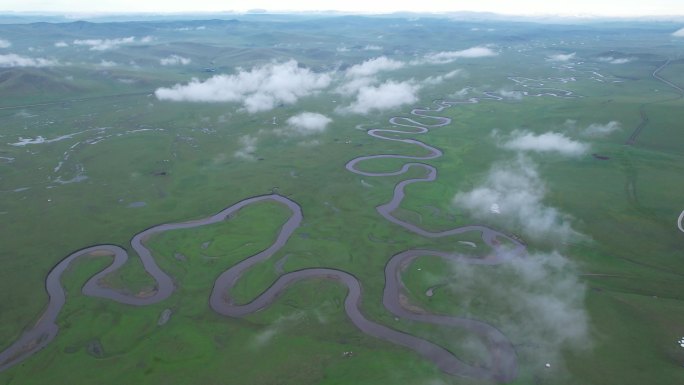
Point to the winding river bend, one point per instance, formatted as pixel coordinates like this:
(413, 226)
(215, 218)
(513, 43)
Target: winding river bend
(501, 365)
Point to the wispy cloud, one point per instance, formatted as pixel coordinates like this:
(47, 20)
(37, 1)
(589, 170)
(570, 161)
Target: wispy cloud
(5, 43)
(522, 140)
(517, 192)
(107, 63)
(539, 303)
(352, 86)
(260, 89)
(445, 57)
(373, 66)
(309, 143)
(104, 44)
(200, 28)
(678, 33)
(61, 44)
(516, 95)
(434, 80)
(594, 130)
(174, 60)
(561, 57)
(14, 60)
(612, 60)
(371, 47)
(248, 146)
(388, 95)
(475, 29)
(459, 94)
(280, 325)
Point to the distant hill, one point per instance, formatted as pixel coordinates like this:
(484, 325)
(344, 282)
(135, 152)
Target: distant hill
(21, 82)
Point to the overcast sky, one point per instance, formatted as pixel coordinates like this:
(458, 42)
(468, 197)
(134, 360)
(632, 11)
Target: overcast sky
(526, 7)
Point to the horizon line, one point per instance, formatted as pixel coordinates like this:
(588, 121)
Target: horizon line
(73, 14)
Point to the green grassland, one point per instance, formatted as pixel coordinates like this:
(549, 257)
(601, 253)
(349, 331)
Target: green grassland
(178, 158)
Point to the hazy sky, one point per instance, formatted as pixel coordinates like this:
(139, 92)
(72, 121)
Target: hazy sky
(569, 7)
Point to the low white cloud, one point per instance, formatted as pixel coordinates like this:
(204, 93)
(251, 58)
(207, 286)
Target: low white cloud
(107, 63)
(14, 60)
(612, 60)
(264, 337)
(5, 43)
(248, 146)
(200, 28)
(174, 60)
(61, 44)
(517, 192)
(104, 44)
(445, 57)
(279, 326)
(352, 86)
(539, 303)
(521, 140)
(561, 57)
(309, 143)
(371, 96)
(147, 39)
(306, 123)
(516, 95)
(623, 60)
(678, 33)
(371, 47)
(598, 130)
(260, 89)
(459, 94)
(373, 66)
(434, 80)
(388, 95)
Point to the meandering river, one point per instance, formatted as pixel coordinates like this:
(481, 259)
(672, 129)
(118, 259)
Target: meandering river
(501, 365)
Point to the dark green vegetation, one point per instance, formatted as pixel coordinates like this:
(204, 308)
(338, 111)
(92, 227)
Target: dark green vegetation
(178, 158)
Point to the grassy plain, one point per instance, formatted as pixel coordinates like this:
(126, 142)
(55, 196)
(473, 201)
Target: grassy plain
(178, 158)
